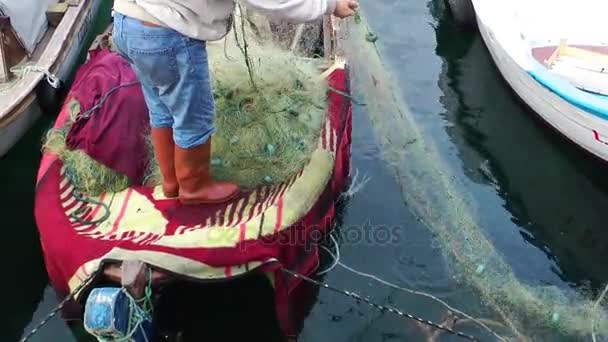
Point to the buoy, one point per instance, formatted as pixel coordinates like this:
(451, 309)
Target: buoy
(216, 162)
(463, 12)
(270, 149)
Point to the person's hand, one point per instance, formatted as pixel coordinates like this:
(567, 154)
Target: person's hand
(346, 8)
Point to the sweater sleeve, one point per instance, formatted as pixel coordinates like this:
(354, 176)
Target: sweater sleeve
(297, 11)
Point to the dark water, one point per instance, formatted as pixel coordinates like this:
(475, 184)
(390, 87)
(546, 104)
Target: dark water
(540, 199)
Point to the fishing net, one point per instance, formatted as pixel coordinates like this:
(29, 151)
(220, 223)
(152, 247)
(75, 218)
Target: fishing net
(270, 107)
(434, 195)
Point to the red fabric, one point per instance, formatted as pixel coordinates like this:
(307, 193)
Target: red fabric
(66, 249)
(292, 298)
(115, 134)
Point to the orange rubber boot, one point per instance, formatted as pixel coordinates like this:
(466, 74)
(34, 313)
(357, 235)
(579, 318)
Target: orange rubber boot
(164, 149)
(193, 171)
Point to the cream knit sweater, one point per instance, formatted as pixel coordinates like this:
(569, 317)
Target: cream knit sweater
(210, 19)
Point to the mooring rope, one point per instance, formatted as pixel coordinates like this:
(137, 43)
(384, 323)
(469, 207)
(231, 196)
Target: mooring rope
(382, 308)
(59, 307)
(596, 306)
(337, 262)
(21, 71)
(140, 311)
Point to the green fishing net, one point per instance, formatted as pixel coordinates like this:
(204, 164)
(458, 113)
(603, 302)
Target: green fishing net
(525, 311)
(270, 107)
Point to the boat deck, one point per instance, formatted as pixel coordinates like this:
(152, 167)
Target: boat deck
(543, 53)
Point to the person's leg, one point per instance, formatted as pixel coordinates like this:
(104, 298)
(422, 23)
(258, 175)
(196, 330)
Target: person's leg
(193, 108)
(161, 123)
(176, 69)
(146, 58)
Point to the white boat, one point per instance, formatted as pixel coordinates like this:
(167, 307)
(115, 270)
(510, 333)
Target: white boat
(50, 53)
(554, 54)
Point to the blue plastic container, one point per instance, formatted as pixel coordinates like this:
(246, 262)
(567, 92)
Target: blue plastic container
(111, 314)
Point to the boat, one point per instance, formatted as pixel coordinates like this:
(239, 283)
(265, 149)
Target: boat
(484, 143)
(36, 50)
(555, 57)
(115, 255)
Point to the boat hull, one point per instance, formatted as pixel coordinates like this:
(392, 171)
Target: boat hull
(15, 124)
(581, 127)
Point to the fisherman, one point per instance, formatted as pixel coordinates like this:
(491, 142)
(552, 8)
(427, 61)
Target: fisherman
(164, 40)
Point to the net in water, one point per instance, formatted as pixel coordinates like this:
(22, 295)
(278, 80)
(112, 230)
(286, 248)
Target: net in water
(432, 193)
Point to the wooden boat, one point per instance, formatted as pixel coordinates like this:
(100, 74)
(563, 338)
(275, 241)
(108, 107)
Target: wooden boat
(554, 55)
(50, 55)
(136, 246)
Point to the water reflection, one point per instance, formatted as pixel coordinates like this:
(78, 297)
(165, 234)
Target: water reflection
(555, 193)
(24, 277)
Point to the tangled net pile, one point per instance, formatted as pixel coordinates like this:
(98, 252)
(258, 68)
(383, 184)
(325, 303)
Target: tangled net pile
(527, 312)
(270, 107)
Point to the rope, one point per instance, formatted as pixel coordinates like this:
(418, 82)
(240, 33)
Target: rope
(245, 47)
(21, 71)
(414, 292)
(346, 95)
(596, 306)
(78, 214)
(103, 100)
(140, 311)
(380, 307)
(336, 257)
(58, 307)
(137, 316)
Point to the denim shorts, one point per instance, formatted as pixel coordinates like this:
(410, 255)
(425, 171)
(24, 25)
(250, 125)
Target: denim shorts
(174, 73)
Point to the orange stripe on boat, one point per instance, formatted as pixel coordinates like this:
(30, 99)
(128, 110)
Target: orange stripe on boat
(279, 221)
(121, 214)
(243, 230)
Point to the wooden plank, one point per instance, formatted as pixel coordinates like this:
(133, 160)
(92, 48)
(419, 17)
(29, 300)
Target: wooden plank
(586, 55)
(555, 55)
(4, 69)
(328, 43)
(339, 63)
(55, 13)
(297, 37)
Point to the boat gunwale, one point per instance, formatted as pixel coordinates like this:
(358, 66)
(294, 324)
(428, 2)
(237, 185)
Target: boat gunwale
(589, 103)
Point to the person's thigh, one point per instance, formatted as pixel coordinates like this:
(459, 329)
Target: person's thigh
(152, 53)
(191, 101)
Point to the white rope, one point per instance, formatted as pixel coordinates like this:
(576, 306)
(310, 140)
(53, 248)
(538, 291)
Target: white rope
(137, 316)
(337, 262)
(356, 185)
(22, 71)
(595, 309)
(336, 257)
